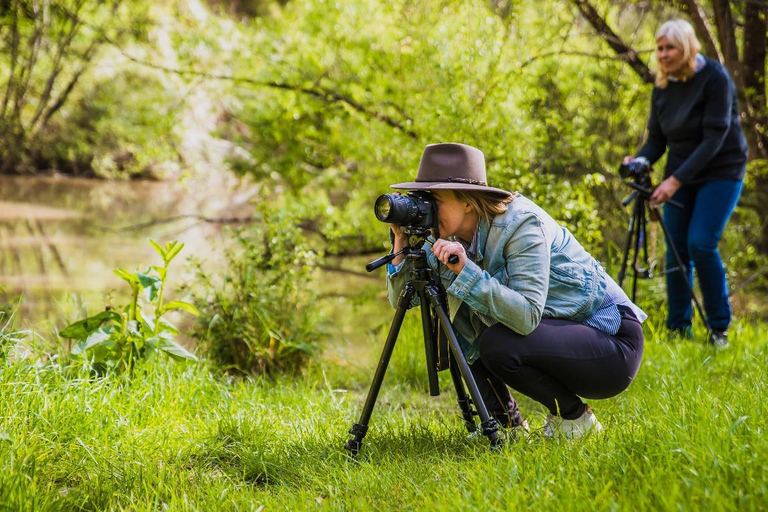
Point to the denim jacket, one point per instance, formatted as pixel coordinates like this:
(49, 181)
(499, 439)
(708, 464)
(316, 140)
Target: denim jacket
(527, 268)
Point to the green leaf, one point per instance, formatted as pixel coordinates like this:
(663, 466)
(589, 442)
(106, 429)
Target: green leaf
(166, 343)
(151, 283)
(148, 321)
(167, 326)
(173, 248)
(159, 249)
(98, 337)
(83, 328)
(147, 280)
(180, 304)
(126, 276)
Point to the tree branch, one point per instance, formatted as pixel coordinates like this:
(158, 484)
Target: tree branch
(597, 56)
(614, 41)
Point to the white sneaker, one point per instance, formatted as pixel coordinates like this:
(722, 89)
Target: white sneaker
(585, 424)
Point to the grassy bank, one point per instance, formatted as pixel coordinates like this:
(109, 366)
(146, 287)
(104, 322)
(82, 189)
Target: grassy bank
(690, 433)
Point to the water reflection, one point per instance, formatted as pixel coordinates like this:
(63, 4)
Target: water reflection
(61, 235)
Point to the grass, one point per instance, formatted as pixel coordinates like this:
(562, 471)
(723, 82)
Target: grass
(689, 434)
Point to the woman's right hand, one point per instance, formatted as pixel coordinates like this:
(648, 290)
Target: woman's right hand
(627, 159)
(400, 241)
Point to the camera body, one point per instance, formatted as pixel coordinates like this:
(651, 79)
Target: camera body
(636, 169)
(416, 211)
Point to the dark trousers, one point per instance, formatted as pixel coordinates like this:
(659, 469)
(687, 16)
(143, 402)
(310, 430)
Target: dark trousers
(557, 363)
(695, 229)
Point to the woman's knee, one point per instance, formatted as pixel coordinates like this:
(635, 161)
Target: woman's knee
(702, 247)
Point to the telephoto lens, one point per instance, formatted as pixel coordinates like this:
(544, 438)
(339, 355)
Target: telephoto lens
(417, 209)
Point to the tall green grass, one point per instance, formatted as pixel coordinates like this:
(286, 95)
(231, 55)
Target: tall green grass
(689, 434)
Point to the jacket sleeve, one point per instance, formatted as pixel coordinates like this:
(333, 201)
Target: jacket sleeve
(397, 276)
(718, 98)
(656, 144)
(519, 302)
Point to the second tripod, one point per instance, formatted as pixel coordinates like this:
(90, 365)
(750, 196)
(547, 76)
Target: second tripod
(637, 240)
(434, 320)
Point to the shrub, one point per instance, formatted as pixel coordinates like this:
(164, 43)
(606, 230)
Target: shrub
(116, 340)
(262, 315)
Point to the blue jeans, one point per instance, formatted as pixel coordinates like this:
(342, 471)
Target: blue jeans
(696, 229)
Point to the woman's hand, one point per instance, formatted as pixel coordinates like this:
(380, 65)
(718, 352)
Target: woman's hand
(401, 240)
(627, 159)
(443, 249)
(664, 191)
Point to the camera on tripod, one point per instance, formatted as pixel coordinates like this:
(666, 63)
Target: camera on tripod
(637, 169)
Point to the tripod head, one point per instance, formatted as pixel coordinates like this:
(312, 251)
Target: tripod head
(639, 170)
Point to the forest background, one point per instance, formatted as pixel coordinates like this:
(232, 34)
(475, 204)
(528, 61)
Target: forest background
(319, 106)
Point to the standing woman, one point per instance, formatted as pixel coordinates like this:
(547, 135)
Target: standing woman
(694, 113)
(531, 308)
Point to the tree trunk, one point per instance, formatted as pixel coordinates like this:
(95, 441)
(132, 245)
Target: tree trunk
(727, 36)
(703, 29)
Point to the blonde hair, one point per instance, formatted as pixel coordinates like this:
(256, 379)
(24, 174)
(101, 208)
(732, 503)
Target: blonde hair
(681, 35)
(486, 204)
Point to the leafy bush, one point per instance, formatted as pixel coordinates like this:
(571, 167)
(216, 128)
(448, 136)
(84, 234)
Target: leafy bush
(262, 315)
(116, 340)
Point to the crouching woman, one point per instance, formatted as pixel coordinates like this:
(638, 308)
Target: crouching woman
(531, 307)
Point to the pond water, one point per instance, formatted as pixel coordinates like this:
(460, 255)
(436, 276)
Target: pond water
(61, 238)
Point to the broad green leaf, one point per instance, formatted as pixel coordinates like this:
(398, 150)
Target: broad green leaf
(83, 328)
(147, 280)
(132, 328)
(149, 322)
(150, 283)
(180, 304)
(167, 326)
(97, 337)
(166, 343)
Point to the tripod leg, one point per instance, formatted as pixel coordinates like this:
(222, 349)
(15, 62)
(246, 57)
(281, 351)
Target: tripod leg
(360, 429)
(639, 215)
(465, 404)
(489, 425)
(627, 246)
(684, 269)
(429, 346)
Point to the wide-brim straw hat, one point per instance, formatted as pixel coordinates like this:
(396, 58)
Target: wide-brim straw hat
(451, 166)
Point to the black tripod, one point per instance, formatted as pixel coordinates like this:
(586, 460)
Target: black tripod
(636, 235)
(434, 317)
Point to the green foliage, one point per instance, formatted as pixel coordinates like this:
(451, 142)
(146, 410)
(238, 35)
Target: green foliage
(47, 47)
(262, 316)
(115, 340)
(122, 126)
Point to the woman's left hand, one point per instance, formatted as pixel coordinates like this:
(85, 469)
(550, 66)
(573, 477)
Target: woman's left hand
(443, 249)
(664, 191)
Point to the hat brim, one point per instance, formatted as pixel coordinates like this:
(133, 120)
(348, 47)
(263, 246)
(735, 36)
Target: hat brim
(441, 185)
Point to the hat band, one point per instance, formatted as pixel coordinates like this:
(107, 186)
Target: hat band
(455, 180)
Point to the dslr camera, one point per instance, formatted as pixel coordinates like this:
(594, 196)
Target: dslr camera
(636, 169)
(416, 211)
